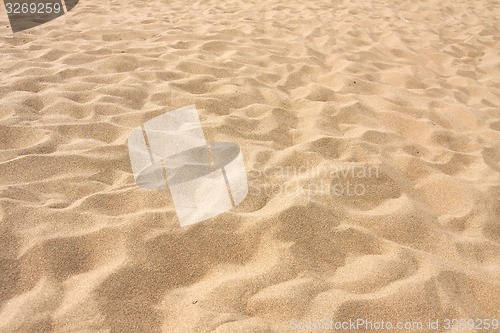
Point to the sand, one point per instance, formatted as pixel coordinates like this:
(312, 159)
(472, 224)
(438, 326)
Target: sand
(314, 92)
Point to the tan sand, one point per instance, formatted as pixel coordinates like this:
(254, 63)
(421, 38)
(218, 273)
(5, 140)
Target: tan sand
(410, 88)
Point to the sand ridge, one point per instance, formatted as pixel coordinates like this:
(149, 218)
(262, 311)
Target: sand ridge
(408, 87)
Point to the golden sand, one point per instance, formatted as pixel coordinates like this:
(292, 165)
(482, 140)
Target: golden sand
(409, 87)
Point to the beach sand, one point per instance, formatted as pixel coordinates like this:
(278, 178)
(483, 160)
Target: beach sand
(314, 92)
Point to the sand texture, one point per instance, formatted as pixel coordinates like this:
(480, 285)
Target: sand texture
(408, 88)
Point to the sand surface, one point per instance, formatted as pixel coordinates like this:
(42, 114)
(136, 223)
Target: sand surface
(409, 89)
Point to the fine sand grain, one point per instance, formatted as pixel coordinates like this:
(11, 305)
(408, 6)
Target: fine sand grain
(407, 88)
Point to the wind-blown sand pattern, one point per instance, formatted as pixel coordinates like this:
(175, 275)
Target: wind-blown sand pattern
(411, 87)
